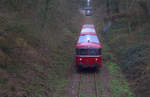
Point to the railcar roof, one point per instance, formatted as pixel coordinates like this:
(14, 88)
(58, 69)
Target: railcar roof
(88, 38)
(88, 45)
(92, 30)
(88, 33)
(88, 25)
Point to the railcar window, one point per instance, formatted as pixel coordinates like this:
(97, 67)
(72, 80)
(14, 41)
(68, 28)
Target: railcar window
(99, 51)
(83, 51)
(88, 51)
(77, 51)
(94, 51)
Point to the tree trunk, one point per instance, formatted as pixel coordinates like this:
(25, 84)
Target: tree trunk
(45, 12)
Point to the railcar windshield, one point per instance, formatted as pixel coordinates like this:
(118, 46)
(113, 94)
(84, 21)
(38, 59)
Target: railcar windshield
(90, 52)
(94, 52)
(83, 51)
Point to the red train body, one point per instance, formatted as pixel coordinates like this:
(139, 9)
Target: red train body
(88, 48)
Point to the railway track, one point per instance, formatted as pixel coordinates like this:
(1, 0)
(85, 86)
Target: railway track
(84, 84)
(89, 84)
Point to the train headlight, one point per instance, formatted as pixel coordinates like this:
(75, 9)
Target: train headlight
(80, 59)
(96, 59)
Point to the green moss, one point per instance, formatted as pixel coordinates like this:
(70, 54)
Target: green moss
(112, 67)
(82, 95)
(101, 87)
(148, 67)
(83, 86)
(119, 89)
(3, 81)
(62, 83)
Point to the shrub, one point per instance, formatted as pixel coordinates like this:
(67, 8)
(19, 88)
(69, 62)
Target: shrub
(18, 28)
(144, 34)
(118, 42)
(6, 45)
(132, 56)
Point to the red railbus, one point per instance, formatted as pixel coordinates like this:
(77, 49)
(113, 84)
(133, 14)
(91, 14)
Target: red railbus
(88, 52)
